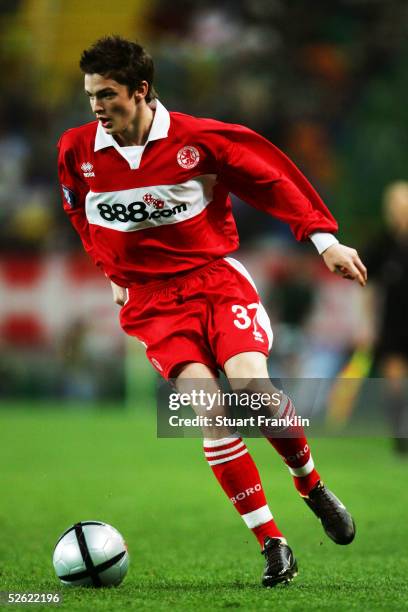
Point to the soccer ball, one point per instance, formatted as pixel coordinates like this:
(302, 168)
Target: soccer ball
(91, 553)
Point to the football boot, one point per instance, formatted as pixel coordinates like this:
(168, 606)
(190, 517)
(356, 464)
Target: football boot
(280, 563)
(334, 516)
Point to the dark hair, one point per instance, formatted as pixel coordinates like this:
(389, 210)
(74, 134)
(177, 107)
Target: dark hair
(116, 58)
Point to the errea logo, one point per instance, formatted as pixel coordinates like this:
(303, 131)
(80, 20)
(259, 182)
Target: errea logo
(87, 168)
(156, 364)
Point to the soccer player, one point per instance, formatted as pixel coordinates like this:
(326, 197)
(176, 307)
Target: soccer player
(148, 192)
(387, 257)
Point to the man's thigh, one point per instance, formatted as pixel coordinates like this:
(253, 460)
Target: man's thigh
(172, 332)
(238, 322)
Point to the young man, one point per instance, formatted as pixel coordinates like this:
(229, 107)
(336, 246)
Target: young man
(147, 190)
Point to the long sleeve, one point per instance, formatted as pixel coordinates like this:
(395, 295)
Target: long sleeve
(260, 174)
(73, 192)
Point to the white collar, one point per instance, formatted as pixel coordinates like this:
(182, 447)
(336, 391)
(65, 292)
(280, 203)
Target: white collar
(159, 128)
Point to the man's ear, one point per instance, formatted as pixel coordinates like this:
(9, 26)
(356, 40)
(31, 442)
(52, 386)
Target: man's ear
(141, 91)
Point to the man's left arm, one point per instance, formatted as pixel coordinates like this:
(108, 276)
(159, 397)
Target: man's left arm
(260, 174)
(339, 258)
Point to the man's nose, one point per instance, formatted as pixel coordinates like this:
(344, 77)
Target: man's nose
(97, 106)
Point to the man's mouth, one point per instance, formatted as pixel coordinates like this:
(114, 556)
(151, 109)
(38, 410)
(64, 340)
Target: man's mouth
(105, 122)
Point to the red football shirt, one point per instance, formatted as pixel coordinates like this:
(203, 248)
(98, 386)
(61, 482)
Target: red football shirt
(169, 211)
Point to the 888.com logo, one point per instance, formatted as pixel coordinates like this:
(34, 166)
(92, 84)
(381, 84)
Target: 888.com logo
(137, 212)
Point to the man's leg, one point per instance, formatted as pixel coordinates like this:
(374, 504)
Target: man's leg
(235, 470)
(248, 371)
(394, 369)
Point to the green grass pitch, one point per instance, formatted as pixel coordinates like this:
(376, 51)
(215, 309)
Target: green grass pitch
(189, 548)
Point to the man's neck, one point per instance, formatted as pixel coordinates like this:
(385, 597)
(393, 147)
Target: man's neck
(138, 132)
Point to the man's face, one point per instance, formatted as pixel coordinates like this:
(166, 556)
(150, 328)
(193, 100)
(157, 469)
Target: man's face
(111, 103)
(396, 208)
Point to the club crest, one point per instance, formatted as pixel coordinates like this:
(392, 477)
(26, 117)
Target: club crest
(188, 157)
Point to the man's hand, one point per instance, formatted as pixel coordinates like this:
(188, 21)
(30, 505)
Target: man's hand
(345, 261)
(120, 294)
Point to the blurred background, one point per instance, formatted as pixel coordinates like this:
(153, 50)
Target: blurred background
(324, 81)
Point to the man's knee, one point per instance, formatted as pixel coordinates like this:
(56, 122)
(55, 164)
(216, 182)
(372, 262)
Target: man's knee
(195, 370)
(247, 366)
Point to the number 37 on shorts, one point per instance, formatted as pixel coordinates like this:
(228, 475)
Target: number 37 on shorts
(252, 316)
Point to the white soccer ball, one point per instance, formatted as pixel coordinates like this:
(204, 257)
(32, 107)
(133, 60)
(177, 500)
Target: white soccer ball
(91, 553)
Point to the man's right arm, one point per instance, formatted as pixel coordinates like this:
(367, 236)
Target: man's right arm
(74, 191)
(120, 294)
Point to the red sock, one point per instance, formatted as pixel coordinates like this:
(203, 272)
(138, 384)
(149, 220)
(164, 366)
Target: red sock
(238, 475)
(294, 449)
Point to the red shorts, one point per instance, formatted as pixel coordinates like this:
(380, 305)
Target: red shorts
(206, 316)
